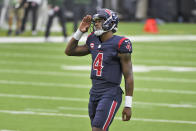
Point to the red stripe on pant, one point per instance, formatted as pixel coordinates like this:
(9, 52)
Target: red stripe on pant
(111, 113)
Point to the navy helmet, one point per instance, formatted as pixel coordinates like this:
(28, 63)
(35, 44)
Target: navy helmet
(110, 19)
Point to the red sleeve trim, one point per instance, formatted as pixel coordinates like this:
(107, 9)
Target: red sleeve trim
(90, 34)
(120, 42)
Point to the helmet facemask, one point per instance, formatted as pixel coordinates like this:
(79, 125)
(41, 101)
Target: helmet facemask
(98, 31)
(109, 23)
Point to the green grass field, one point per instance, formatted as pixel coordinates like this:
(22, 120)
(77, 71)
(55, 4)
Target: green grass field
(127, 28)
(37, 93)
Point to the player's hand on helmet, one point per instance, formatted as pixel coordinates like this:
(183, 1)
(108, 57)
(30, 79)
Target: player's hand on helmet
(85, 24)
(126, 114)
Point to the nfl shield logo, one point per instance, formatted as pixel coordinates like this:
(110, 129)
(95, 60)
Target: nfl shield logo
(92, 45)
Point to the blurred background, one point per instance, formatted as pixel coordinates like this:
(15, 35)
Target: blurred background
(20, 11)
(42, 89)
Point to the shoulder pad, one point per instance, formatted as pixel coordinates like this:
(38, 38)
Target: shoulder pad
(125, 45)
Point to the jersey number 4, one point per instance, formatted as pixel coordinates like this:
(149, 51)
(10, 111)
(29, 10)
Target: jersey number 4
(97, 64)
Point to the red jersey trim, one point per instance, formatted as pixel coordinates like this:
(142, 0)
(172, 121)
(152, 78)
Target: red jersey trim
(120, 42)
(90, 34)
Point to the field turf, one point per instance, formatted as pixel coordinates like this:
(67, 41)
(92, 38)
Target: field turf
(39, 93)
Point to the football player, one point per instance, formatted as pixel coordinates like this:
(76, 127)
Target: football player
(111, 57)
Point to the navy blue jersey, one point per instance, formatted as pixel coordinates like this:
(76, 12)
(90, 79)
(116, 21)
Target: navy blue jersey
(106, 72)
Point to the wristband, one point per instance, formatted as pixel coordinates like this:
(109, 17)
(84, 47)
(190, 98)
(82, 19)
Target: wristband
(78, 34)
(128, 101)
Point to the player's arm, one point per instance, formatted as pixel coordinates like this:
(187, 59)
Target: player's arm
(73, 49)
(125, 59)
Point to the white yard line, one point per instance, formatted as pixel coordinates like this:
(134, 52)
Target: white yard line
(7, 130)
(47, 84)
(151, 38)
(147, 38)
(156, 61)
(44, 84)
(166, 54)
(57, 109)
(165, 105)
(43, 97)
(139, 68)
(28, 63)
(86, 100)
(166, 91)
(161, 49)
(24, 55)
(13, 112)
(163, 79)
(72, 108)
(27, 40)
(40, 110)
(36, 72)
(33, 47)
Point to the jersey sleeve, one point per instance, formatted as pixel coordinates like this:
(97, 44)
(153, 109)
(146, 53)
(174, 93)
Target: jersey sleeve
(88, 40)
(125, 46)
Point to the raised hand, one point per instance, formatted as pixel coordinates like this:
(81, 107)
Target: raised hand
(85, 24)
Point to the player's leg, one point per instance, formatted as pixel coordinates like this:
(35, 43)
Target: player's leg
(92, 105)
(49, 24)
(26, 12)
(92, 111)
(97, 129)
(105, 112)
(62, 22)
(19, 15)
(34, 24)
(10, 20)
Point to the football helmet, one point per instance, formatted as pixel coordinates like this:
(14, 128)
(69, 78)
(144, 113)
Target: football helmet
(110, 21)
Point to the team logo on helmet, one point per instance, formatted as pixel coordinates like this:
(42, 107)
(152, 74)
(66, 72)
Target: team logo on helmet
(108, 11)
(110, 21)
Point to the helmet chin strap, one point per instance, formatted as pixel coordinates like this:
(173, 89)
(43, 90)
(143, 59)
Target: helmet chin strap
(99, 32)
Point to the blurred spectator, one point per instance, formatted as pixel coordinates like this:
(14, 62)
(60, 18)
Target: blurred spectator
(99, 4)
(3, 9)
(184, 10)
(113, 4)
(1, 6)
(141, 9)
(43, 16)
(56, 8)
(129, 7)
(80, 7)
(15, 11)
(30, 5)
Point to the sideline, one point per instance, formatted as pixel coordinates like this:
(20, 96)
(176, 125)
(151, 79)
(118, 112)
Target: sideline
(58, 39)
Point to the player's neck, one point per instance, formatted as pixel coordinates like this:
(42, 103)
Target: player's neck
(106, 36)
